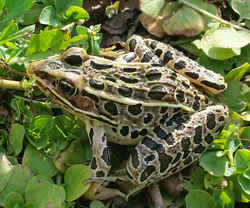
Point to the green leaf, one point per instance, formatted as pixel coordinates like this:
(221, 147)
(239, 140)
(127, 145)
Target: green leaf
(42, 192)
(38, 162)
(48, 16)
(17, 182)
(63, 5)
(8, 31)
(242, 7)
(73, 178)
(113, 9)
(16, 137)
(96, 204)
(2, 4)
(244, 182)
(224, 43)
(237, 73)
(224, 197)
(245, 135)
(213, 164)
(196, 180)
(75, 13)
(232, 97)
(240, 195)
(53, 39)
(196, 198)
(15, 9)
(151, 7)
(185, 21)
(5, 171)
(242, 160)
(14, 200)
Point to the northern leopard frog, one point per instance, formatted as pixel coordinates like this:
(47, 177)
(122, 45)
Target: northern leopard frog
(137, 100)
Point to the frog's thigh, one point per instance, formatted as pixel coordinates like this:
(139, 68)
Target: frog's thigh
(155, 158)
(100, 164)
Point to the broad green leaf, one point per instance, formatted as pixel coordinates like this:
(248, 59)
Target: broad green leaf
(63, 5)
(8, 31)
(213, 164)
(75, 13)
(38, 162)
(17, 182)
(15, 9)
(242, 160)
(244, 182)
(14, 200)
(232, 97)
(196, 180)
(224, 43)
(242, 7)
(41, 192)
(245, 135)
(200, 4)
(224, 197)
(5, 171)
(239, 194)
(16, 137)
(151, 7)
(48, 16)
(185, 21)
(78, 152)
(32, 15)
(96, 204)
(74, 179)
(246, 173)
(53, 40)
(196, 198)
(2, 4)
(237, 73)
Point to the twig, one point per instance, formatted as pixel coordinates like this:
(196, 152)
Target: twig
(10, 84)
(4, 65)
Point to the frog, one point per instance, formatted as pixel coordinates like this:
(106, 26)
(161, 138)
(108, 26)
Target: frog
(154, 98)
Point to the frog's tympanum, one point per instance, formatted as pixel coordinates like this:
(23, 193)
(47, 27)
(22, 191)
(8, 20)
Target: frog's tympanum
(150, 98)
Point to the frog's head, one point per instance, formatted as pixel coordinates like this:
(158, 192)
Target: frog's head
(62, 78)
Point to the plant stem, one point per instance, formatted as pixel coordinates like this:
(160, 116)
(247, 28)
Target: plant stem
(10, 84)
(212, 16)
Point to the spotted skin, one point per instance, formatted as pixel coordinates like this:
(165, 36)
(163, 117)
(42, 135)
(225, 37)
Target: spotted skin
(149, 105)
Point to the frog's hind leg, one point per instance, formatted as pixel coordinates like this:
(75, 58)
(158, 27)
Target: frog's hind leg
(100, 164)
(187, 67)
(161, 154)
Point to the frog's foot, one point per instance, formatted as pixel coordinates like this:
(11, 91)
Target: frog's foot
(100, 192)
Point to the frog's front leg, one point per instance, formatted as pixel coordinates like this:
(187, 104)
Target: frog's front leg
(161, 154)
(100, 163)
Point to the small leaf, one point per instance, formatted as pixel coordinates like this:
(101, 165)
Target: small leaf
(15, 9)
(2, 3)
(112, 9)
(16, 137)
(185, 22)
(151, 7)
(244, 183)
(74, 179)
(237, 73)
(195, 198)
(42, 192)
(13, 200)
(213, 164)
(75, 13)
(5, 171)
(48, 16)
(96, 204)
(242, 160)
(38, 162)
(242, 7)
(224, 43)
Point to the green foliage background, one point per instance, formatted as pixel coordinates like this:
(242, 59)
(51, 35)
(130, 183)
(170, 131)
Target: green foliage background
(42, 152)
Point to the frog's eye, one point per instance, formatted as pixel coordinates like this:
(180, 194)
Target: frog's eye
(67, 87)
(73, 60)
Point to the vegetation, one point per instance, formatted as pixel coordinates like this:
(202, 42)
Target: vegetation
(43, 149)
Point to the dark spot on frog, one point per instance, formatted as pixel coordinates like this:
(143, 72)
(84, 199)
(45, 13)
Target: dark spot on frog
(73, 60)
(135, 109)
(168, 56)
(105, 156)
(100, 173)
(211, 123)
(198, 135)
(125, 91)
(209, 139)
(135, 159)
(111, 108)
(93, 163)
(124, 131)
(199, 149)
(98, 85)
(180, 65)
(157, 92)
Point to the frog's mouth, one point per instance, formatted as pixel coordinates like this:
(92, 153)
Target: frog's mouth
(64, 92)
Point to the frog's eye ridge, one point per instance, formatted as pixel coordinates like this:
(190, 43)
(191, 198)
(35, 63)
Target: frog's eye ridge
(74, 60)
